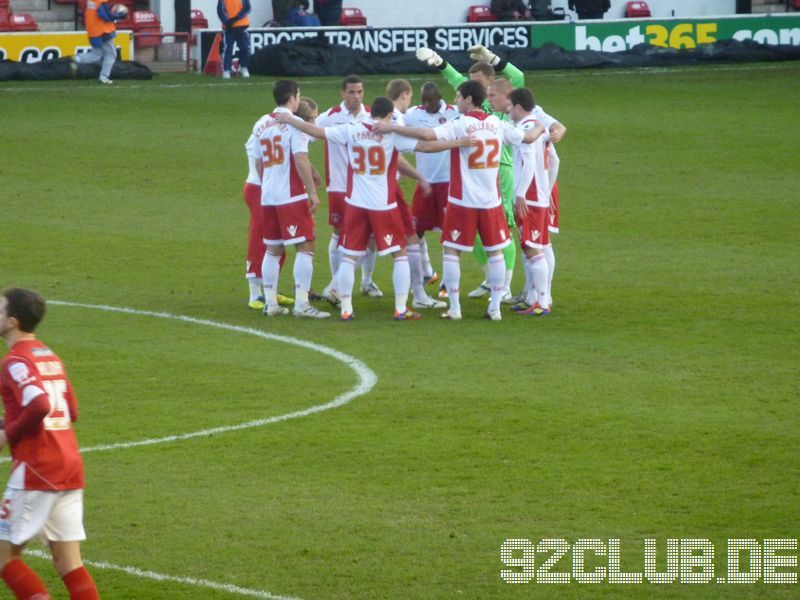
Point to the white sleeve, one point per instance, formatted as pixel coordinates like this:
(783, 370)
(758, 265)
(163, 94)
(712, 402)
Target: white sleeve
(411, 118)
(546, 120)
(405, 144)
(252, 147)
(299, 142)
(511, 134)
(338, 134)
(523, 180)
(449, 131)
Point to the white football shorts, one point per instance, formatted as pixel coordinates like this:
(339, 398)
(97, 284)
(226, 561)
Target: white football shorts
(55, 516)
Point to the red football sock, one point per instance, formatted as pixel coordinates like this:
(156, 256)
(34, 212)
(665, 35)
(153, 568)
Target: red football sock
(25, 584)
(80, 585)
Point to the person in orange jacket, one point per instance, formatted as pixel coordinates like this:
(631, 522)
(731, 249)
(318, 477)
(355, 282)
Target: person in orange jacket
(101, 29)
(233, 14)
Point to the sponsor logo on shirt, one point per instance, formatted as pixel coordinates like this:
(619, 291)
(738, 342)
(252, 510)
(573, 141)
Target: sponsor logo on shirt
(42, 352)
(19, 373)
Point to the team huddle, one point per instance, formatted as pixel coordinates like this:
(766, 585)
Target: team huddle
(484, 167)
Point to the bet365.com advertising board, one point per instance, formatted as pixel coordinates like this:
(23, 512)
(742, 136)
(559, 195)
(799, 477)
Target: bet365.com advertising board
(608, 36)
(34, 47)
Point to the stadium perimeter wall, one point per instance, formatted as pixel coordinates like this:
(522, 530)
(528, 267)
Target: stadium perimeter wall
(386, 13)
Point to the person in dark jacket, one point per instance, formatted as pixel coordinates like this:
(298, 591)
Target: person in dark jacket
(590, 9)
(510, 10)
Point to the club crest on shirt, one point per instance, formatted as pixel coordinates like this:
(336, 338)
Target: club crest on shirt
(455, 235)
(536, 233)
(292, 229)
(388, 239)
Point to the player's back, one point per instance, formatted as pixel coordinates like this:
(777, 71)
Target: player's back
(373, 161)
(47, 457)
(277, 143)
(474, 169)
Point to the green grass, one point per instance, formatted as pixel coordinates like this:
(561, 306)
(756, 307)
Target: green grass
(658, 400)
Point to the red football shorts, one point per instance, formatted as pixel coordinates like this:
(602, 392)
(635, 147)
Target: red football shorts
(533, 232)
(405, 213)
(255, 240)
(428, 211)
(288, 224)
(336, 206)
(461, 223)
(360, 223)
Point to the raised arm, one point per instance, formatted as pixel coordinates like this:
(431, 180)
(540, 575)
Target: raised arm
(501, 65)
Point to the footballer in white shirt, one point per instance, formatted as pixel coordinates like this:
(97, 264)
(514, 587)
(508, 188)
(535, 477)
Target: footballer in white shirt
(371, 197)
(474, 205)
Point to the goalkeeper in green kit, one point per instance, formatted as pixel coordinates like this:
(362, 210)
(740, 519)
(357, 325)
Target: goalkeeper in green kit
(483, 72)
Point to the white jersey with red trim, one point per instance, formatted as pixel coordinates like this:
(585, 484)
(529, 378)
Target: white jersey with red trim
(434, 166)
(336, 160)
(373, 161)
(252, 169)
(531, 159)
(553, 161)
(276, 144)
(474, 169)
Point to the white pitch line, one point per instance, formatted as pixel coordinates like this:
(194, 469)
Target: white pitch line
(367, 380)
(205, 583)
(367, 377)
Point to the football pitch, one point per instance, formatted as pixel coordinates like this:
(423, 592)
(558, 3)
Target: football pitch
(230, 455)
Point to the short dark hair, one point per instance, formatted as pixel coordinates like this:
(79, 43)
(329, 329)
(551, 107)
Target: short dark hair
(283, 90)
(522, 97)
(430, 90)
(26, 306)
(350, 79)
(381, 107)
(474, 90)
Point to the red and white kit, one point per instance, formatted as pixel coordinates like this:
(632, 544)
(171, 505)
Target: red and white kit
(553, 163)
(473, 203)
(428, 211)
(372, 187)
(44, 452)
(252, 197)
(402, 206)
(531, 160)
(336, 161)
(287, 219)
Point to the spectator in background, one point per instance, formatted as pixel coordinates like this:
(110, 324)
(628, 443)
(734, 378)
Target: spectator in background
(101, 29)
(233, 14)
(590, 9)
(328, 11)
(299, 15)
(511, 10)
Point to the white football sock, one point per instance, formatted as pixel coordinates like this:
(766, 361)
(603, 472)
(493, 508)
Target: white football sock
(270, 270)
(495, 278)
(451, 272)
(254, 283)
(538, 267)
(368, 265)
(415, 265)
(507, 280)
(401, 277)
(427, 267)
(346, 276)
(334, 257)
(551, 268)
(303, 271)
